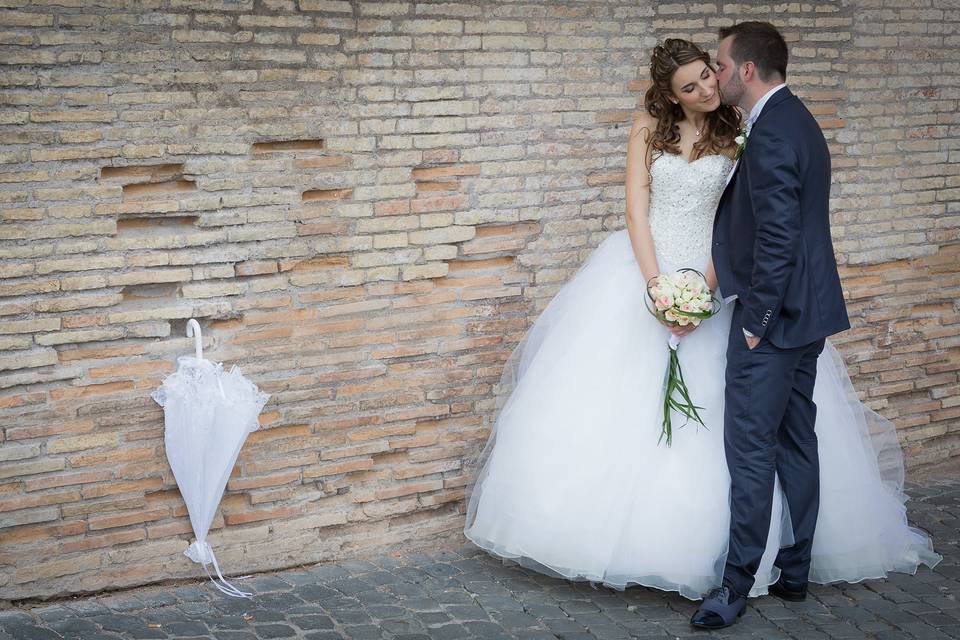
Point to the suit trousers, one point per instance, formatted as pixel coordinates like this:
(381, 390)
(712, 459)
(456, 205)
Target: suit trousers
(769, 421)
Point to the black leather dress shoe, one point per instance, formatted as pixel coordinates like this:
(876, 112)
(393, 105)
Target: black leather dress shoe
(790, 590)
(719, 609)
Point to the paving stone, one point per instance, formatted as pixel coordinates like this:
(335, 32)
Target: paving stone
(229, 623)
(275, 631)
(351, 586)
(486, 630)
(31, 632)
(448, 632)
(355, 567)
(312, 622)
(156, 599)
(401, 626)
(149, 633)
(77, 627)
(122, 603)
(326, 635)
(194, 593)
(432, 618)
(454, 596)
(234, 635)
(377, 598)
(351, 616)
(279, 601)
(406, 590)
(49, 614)
(266, 584)
(196, 608)
(87, 607)
(315, 592)
(514, 620)
(385, 612)
(535, 635)
(362, 632)
(421, 604)
(237, 606)
(122, 623)
(499, 603)
(564, 626)
(464, 612)
(266, 615)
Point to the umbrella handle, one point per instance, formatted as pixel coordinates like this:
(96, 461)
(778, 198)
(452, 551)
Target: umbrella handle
(193, 331)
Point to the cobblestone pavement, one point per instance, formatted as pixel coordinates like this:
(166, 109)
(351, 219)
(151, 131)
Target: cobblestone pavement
(447, 595)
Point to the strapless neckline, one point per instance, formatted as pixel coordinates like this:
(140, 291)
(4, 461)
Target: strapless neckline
(693, 162)
(683, 200)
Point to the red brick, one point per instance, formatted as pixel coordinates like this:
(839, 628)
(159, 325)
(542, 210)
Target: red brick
(126, 519)
(276, 513)
(108, 540)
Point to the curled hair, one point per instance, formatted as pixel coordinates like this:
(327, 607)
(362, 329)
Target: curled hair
(722, 125)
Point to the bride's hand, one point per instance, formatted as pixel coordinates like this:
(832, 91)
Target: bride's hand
(677, 330)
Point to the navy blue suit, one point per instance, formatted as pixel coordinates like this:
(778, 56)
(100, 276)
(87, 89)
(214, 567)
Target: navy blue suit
(772, 248)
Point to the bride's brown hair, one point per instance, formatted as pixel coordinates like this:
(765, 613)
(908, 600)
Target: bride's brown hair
(722, 125)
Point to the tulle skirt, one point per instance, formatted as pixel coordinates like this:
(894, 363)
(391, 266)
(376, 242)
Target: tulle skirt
(574, 483)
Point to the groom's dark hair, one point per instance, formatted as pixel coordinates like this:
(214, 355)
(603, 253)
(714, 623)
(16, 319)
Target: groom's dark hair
(761, 44)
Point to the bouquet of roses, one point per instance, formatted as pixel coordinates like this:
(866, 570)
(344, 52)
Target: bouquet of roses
(682, 298)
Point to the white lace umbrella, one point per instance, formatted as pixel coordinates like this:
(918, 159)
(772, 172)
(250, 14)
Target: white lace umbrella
(208, 413)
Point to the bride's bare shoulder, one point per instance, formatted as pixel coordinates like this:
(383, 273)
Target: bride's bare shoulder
(641, 121)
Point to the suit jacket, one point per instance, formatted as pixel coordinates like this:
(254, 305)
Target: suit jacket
(771, 234)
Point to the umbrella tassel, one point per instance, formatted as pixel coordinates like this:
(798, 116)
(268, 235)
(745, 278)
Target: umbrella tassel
(225, 587)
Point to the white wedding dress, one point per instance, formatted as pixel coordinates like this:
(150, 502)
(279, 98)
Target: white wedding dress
(573, 481)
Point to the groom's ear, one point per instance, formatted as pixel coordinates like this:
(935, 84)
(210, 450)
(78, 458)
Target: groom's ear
(748, 71)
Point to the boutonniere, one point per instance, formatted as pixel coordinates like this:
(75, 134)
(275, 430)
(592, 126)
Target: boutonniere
(741, 141)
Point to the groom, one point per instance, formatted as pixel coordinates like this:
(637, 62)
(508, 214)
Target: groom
(772, 250)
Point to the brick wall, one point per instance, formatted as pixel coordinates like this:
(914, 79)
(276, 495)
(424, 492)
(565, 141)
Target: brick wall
(365, 204)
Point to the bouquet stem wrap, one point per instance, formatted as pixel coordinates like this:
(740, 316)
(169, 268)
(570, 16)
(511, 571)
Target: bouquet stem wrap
(676, 396)
(679, 299)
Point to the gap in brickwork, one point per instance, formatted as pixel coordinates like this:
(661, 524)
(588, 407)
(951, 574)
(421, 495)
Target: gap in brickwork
(178, 327)
(150, 172)
(309, 264)
(438, 185)
(279, 146)
(149, 291)
(483, 263)
(148, 189)
(326, 194)
(500, 239)
(516, 229)
(126, 226)
(324, 162)
(445, 177)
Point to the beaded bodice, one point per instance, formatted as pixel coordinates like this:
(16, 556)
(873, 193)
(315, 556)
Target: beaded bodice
(683, 200)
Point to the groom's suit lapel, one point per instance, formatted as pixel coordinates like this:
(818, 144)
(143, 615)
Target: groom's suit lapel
(772, 103)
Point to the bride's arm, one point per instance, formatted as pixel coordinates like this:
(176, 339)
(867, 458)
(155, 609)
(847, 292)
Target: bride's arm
(711, 276)
(638, 197)
(638, 206)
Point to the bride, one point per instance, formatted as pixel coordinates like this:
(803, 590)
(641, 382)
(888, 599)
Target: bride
(574, 481)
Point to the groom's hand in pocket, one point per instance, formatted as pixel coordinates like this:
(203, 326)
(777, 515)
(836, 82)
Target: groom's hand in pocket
(752, 341)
